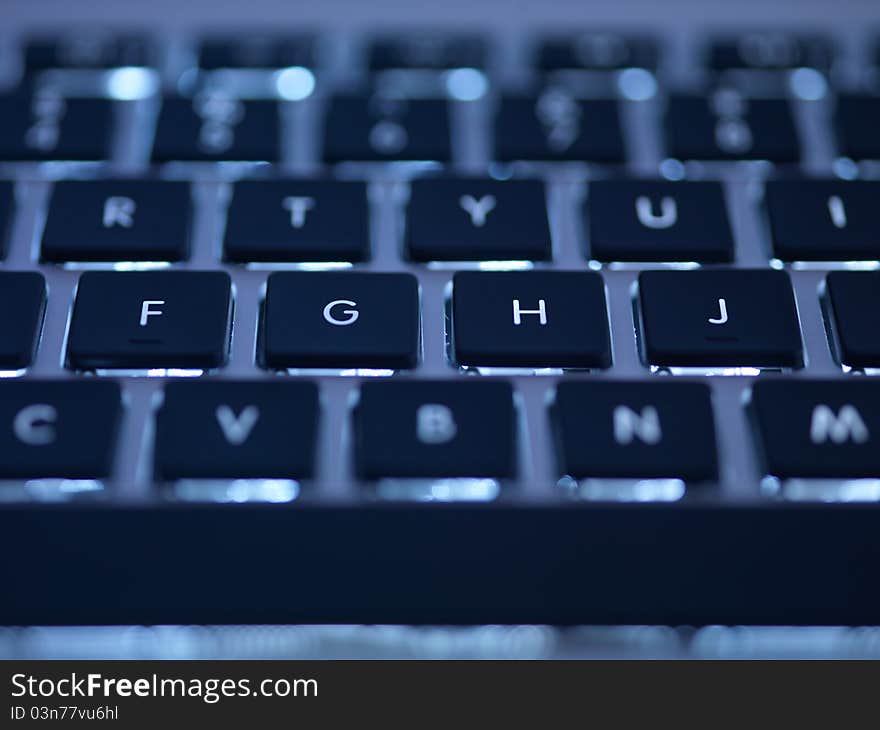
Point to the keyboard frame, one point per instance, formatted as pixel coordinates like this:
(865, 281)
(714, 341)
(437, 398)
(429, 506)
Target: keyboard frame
(777, 569)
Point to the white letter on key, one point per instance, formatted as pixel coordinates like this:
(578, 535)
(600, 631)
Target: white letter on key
(837, 211)
(236, 429)
(298, 207)
(668, 213)
(146, 312)
(541, 311)
(435, 424)
(118, 211)
(33, 425)
(478, 210)
(351, 314)
(722, 319)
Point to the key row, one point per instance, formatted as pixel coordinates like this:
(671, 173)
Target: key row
(554, 126)
(520, 319)
(465, 219)
(414, 429)
(421, 49)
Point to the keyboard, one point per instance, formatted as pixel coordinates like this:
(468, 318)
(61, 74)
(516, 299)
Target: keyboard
(421, 327)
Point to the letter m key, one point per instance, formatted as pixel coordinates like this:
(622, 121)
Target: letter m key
(845, 425)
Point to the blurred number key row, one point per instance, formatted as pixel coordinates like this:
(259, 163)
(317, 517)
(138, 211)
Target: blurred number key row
(452, 219)
(41, 124)
(182, 320)
(420, 49)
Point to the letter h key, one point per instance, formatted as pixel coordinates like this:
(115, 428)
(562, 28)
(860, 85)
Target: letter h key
(530, 319)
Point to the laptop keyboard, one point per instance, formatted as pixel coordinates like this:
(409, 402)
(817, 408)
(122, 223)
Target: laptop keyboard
(388, 265)
(604, 300)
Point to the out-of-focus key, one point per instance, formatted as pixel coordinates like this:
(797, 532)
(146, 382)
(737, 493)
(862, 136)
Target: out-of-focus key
(118, 220)
(236, 430)
(769, 51)
(727, 126)
(557, 126)
(256, 50)
(818, 429)
(427, 50)
(58, 429)
(434, 429)
(857, 120)
(635, 430)
(596, 51)
(87, 51)
(215, 128)
(41, 125)
(373, 129)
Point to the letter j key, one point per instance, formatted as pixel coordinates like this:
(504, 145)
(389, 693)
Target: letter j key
(719, 318)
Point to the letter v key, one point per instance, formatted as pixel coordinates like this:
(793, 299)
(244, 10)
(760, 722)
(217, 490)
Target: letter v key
(236, 429)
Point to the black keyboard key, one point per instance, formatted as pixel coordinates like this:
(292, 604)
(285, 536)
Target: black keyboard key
(150, 319)
(597, 51)
(857, 120)
(770, 50)
(44, 126)
(297, 220)
(824, 220)
(119, 220)
(217, 128)
(727, 126)
(435, 429)
(649, 220)
(427, 50)
(22, 293)
(55, 429)
(7, 210)
(256, 50)
(236, 429)
(371, 129)
(477, 220)
(530, 319)
(87, 51)
(719, 318)
(818, 429)
(635, 430)
(854, 298)
(556, 126)
(341, 320)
